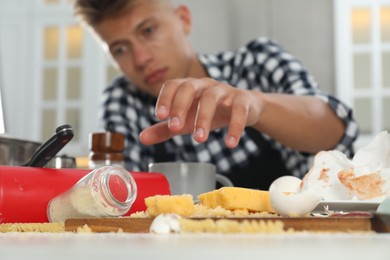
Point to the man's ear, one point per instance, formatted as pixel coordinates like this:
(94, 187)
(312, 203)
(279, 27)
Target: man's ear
(184, 15)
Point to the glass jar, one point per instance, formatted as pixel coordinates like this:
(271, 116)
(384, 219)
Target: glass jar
(107, 191)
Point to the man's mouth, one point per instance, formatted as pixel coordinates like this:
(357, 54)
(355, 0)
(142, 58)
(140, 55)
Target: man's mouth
(156, 76)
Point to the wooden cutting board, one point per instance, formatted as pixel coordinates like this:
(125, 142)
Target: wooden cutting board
(315, 224)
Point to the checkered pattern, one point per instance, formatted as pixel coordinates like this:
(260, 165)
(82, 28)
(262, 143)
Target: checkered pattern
(261, 65)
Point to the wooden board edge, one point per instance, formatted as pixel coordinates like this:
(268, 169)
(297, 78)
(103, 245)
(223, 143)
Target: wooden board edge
(311, 224)
(104, 225)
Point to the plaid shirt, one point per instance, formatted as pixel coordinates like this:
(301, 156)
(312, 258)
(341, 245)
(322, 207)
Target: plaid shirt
(261, 65)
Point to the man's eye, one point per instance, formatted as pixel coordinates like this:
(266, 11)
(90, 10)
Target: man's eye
(119, 50)
(149, 30)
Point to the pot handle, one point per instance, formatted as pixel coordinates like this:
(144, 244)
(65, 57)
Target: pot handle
(51, 147)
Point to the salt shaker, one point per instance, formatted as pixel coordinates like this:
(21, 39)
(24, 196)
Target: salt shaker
(107, 191)
(106, 149)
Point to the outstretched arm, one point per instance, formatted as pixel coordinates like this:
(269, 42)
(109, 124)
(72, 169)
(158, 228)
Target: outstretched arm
(198, 106)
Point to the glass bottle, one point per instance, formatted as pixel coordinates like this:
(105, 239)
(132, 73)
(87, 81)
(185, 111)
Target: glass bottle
(107, 191)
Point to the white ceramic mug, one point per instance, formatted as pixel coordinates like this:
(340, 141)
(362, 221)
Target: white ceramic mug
(190, 177)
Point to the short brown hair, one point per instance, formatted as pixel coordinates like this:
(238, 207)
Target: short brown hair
(93, 12)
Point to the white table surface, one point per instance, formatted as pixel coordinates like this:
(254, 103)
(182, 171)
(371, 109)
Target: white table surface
(110, 246)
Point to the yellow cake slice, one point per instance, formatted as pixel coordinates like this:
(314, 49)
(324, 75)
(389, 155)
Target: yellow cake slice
(235, 198)
(182, 205)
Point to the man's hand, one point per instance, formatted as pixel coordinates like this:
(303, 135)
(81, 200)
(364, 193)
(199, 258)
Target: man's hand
(198, 106)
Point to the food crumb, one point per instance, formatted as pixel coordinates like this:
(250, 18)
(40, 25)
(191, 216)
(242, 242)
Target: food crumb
(84, 229)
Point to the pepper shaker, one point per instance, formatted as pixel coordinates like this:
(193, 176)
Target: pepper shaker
(106, 149)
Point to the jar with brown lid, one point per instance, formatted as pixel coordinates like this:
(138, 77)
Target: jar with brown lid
(106, 148)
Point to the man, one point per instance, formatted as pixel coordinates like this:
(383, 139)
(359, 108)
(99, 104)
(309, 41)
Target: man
(255, 112)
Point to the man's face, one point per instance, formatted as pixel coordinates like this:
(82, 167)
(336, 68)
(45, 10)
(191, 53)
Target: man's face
(149, 43)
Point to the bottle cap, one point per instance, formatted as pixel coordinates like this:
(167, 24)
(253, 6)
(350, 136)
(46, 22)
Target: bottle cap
(107, 142)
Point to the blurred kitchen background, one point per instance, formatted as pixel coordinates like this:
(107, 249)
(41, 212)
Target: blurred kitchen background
(53, 72)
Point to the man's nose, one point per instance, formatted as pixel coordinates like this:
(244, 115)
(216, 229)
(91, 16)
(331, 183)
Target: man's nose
(141, 54)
